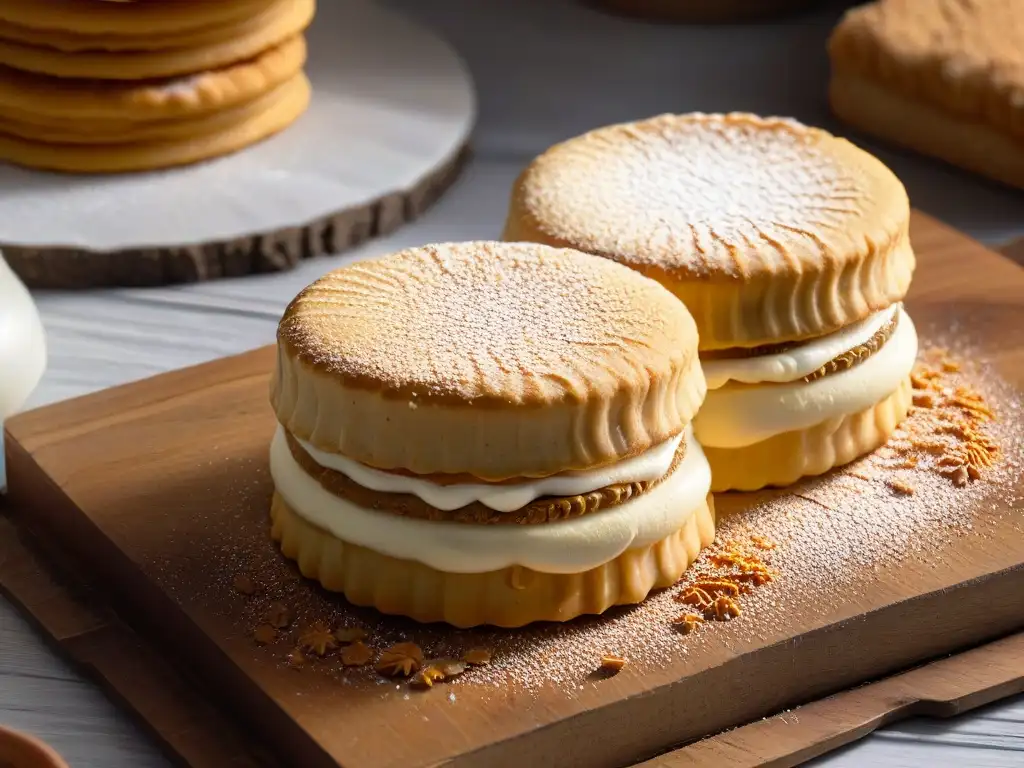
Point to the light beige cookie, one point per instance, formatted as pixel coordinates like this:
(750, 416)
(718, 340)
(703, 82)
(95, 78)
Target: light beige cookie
(790, 247)
(287, 20)
(453, 358)
(944, 77)
(768, 230)
(282, 107)
(488, 433)
(75, 104)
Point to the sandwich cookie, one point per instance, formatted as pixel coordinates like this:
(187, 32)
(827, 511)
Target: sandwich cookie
(789, 246)
(489, 433)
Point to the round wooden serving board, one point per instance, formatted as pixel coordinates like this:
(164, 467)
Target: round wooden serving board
(386, 133)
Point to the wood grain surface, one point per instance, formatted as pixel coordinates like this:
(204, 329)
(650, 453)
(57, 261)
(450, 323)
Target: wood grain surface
(585, 68)
(140, 479)
(943, 688)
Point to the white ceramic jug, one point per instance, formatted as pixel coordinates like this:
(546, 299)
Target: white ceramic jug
(22, 349)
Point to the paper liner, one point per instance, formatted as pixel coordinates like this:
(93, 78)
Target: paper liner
(785, 458)
(962, 141)
(510, 597)
(777, 273)
(705, 11)
(490, 442)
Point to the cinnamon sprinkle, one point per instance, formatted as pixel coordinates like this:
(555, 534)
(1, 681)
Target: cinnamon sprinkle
(949, 421)
(718, 578)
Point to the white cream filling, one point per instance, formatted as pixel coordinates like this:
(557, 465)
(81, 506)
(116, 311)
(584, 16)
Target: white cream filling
(566, 546)
(504, 497)
(794, 364)
(738, 415)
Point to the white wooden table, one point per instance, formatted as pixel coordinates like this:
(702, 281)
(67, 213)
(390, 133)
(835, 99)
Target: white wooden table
(546, 70)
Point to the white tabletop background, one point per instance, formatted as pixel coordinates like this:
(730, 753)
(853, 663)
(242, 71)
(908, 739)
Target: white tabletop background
(545, 70)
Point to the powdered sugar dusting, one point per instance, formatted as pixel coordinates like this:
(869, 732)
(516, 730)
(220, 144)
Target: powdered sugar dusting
(832, 535)
(503, 321)
(698, 194)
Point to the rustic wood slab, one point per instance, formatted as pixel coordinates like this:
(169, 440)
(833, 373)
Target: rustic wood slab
(152, 487)
(180, 718)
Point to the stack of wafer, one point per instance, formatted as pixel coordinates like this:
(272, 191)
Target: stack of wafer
(93, 86)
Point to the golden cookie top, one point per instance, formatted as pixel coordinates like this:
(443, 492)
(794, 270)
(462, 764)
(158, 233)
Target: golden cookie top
(768, 230)
(493, 359)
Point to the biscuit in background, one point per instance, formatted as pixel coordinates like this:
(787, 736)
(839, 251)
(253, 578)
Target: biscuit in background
(943, 77)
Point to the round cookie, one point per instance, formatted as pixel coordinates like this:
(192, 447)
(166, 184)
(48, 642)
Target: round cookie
(488, 433)
(126, 18)
(72, 41)
(443, 359)
(791, 249)
(48, 100)
(277, 110)
(121, 132)
(282, 22)
(767, 230)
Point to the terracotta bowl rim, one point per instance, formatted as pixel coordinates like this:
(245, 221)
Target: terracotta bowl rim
(29, 747)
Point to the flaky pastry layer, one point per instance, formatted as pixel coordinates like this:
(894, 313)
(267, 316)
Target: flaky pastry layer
(785, 458)
(511, 597)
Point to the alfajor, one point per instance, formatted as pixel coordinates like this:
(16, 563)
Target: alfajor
(789, 246)
(489, 433)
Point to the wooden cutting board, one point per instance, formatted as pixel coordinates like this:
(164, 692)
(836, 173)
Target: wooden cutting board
(158, 491)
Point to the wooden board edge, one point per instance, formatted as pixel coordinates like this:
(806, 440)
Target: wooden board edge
(136, 675)
(943, 688)
(280, 250)
(130, 670)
